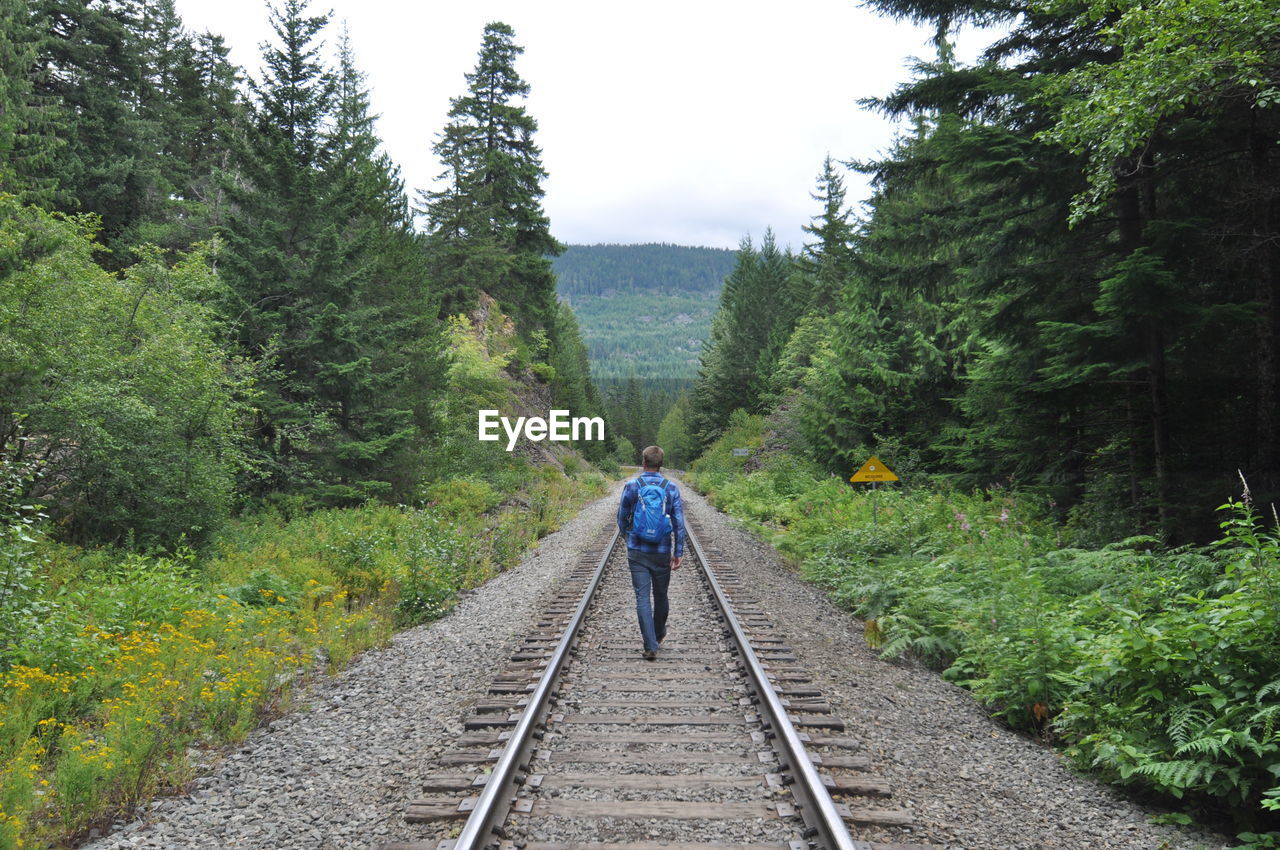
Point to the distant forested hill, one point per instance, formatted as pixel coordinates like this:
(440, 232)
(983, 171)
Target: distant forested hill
(644, 310)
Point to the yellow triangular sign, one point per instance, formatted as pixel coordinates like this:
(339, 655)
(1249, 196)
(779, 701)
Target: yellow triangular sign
(874, 470)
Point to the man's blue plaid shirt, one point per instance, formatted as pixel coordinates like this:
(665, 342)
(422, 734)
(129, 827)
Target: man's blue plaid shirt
(675, 509)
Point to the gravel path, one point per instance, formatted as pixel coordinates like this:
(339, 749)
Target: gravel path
(340, 771)
(969, 782)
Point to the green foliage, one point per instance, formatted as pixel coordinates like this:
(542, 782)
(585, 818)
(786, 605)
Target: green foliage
(718, 465)
(1182, 692)
(325, 283)
(625, 452)
(20, 605)
(570, 379)
(132, 406)
(808, 346)
(1156, 668)
(487, 230)
(674, 436)
(461, 498)
(28, 143)
(1258, 841)
(127, 116)
(476, 380)
(437, 563)
(761, 302)
(1042, 291)
(262, 589)
(610, 271)
(1168, 60)
(138, 388)
(635, 408)
(828, 261)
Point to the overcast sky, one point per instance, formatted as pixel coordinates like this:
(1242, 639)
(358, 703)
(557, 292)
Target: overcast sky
(694, 122)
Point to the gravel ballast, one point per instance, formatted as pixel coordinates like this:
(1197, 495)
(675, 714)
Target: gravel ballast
(340, 771)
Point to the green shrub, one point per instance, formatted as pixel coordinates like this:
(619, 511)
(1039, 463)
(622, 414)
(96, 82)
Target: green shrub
(718, 465)
(1183, 696)
(462, 498)
(1157, 668)
(20, 605)
(438, 562)
(120, 381)
(573, 465)
(263, 589)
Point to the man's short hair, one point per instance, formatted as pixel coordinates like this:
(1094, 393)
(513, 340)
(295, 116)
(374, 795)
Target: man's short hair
(652, 457)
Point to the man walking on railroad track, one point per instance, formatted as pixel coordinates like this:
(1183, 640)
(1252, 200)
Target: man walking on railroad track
(652, 516)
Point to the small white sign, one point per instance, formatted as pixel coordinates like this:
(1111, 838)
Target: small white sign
(741, 452)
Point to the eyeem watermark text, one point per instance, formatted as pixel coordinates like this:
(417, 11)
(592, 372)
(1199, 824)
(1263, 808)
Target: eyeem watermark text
(560, 426)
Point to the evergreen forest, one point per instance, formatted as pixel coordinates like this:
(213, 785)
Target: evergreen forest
(645, 312)
(241, 363)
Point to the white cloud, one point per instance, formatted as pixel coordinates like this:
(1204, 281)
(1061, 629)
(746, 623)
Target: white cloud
(693, 122)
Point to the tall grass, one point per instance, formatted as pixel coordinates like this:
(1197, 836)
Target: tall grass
(120, 666)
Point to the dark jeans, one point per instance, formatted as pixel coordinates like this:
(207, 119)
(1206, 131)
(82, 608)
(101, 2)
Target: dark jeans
(651, 571)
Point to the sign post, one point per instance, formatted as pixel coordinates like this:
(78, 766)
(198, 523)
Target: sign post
(873, 472)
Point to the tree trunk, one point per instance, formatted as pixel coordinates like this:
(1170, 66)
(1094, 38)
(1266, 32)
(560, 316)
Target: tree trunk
(1135, 188)
(1159, 420)
(1264, 215)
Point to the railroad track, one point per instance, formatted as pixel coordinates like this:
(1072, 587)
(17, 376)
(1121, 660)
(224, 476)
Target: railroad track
(722, 743)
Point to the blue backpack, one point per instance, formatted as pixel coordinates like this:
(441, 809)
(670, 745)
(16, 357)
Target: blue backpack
(650, 521)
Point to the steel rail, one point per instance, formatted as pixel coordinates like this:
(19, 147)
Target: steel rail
(492, 806)
(816, 806)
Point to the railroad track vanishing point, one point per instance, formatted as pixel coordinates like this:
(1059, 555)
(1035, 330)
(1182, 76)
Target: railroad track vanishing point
(722, 743)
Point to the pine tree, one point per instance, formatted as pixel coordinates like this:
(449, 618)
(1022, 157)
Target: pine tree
(210, 107)
(90, 65)
(330, 284)
(376, 343)
(674, 437)
(785, 288)
(828, 259)
(760, 304)
(28, 123)
(120, 87)
(278, 237)
(487, 230)
(190, 107)
(721, 384)
(166, 56)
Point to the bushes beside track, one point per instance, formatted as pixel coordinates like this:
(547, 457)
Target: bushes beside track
(1156, 668)
(118, 670)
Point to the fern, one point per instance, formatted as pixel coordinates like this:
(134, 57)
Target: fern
(1173, 777)
(1184, 721)
(1136, 543)
(1206, 745)
(935, 648)
(1266, 717)
(1271, 688)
